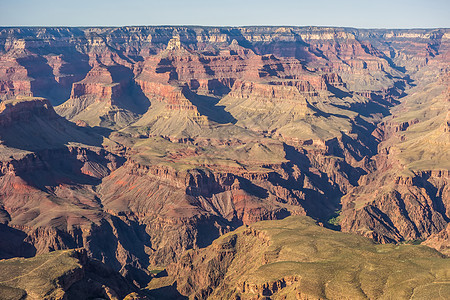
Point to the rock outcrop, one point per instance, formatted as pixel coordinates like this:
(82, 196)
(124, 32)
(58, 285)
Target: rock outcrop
(440, 241)
(296, 258)
(163, 139)
(66, 274)
(406, 197)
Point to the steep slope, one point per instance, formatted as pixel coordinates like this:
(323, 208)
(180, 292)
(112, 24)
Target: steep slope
(60, 275)
(440, 241)
(296, 259)
(186, 133)
(106, 96)
(48, 172)
(407, 196)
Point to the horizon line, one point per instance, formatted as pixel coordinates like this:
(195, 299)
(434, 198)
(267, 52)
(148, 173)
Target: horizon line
(220, 26)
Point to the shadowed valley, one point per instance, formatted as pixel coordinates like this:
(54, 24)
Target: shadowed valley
(147, 146)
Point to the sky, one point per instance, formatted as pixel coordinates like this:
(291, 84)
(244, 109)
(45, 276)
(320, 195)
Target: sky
(342, 13)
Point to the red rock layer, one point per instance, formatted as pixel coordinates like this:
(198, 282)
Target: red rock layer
(135, 214)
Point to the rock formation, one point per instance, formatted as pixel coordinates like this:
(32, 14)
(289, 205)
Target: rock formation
(140, 143)
(296, 259)
(66, 274)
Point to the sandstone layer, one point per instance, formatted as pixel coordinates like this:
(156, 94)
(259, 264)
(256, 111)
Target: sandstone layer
(140, 143)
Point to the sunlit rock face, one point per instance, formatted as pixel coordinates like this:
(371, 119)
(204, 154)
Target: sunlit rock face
(139, 143)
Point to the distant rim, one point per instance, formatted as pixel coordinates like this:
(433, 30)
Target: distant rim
(223, 26)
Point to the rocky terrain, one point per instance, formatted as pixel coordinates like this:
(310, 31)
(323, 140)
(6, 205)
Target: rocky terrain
(296, 259)
(140, 143)
(67, 274)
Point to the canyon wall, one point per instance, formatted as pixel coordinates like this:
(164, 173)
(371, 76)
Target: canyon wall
(139, 143)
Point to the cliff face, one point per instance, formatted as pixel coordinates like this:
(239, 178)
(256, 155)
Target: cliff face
(440, 241)
(407, 196)
(60, 275)
(295, 257)
(100, 63)
(162, 139)
(23, 110)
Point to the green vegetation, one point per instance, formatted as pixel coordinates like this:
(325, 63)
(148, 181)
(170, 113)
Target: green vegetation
(414, 242)
(39, 277)
(294, 258)
(335, 219)
(156, 271)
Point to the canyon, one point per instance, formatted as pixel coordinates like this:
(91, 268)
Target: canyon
(163, 148)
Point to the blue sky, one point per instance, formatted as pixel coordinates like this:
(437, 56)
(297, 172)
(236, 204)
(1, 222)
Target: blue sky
(348, 13)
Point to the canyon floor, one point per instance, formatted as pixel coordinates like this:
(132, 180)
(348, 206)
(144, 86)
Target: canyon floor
(224, 163)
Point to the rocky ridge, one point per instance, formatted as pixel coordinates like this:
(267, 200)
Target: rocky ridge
(296, 259)
(183, 134)
(66, 274)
